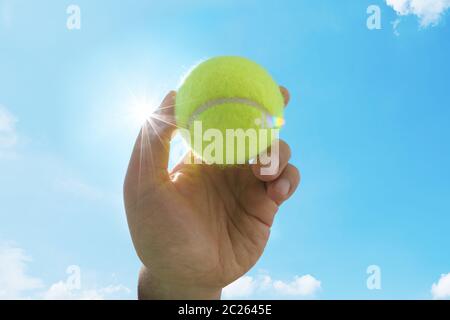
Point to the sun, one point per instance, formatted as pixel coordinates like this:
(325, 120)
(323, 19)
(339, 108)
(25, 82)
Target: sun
(140, 108)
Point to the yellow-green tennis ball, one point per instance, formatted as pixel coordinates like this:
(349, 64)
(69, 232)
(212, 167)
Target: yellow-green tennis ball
(229, 110)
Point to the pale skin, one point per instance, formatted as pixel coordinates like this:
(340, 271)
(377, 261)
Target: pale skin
(199, 227)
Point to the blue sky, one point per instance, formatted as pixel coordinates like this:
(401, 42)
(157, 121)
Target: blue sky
(367, 123)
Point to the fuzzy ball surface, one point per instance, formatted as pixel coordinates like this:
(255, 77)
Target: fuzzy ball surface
(229, 110)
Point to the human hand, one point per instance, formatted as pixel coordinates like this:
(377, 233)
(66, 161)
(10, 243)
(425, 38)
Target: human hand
(199, 227)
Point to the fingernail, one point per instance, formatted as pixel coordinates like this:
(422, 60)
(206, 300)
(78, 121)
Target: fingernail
(283, 186)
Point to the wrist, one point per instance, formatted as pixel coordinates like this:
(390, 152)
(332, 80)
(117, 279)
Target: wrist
(152, 287)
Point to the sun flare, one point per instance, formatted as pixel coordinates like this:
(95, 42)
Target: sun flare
(141, 108)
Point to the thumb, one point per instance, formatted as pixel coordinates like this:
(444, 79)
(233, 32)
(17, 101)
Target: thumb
(150, 156)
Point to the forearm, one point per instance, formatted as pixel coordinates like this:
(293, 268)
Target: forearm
(150, 287)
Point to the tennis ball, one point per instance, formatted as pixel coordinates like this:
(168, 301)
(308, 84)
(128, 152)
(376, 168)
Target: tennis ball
(229, 110)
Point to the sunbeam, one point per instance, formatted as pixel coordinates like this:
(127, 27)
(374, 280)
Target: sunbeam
(140, 108)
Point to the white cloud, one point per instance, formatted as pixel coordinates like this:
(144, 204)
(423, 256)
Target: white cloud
(303, 286)
(429, 12)
(441, 289)
(8, 135)
(242, 287)
(15, 283)
(300, 287)
(63, 291)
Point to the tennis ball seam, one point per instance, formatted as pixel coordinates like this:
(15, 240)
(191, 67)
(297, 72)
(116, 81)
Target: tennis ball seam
(267, 117)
